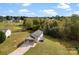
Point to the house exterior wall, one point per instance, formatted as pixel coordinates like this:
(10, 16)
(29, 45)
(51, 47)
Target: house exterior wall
(8, 33)
(39, 38)
(36, 36)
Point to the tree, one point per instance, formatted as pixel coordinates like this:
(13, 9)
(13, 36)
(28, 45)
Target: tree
(1, 18)
(71, 28)
(28, 24)
(2, 37)
(74, 18)
(57, 17)
(36, 21)
(9, 17)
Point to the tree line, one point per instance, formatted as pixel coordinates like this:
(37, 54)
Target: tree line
(3, 18)
(64, 27)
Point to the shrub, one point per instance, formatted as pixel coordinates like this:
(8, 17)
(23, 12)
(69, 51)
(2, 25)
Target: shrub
(2, 37)
(27, 24)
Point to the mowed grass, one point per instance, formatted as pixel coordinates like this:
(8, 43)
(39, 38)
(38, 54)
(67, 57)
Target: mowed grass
(52, 46)
(9, 25)
(17, 37)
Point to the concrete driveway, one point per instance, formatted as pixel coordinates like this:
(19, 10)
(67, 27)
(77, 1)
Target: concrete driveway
(22, 49)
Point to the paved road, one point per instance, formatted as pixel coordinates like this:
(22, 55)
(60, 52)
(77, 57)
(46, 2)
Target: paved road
(22, 49)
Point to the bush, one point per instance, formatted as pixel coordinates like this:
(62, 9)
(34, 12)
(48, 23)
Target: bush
(68, 28)
(2, 37)
(36, 27)
(71, 28)
(27, 24)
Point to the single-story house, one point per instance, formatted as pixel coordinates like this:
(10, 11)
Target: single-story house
(36, 36)
(7, 32)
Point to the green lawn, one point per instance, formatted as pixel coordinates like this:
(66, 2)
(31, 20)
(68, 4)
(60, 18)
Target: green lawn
(52, 46)
(9, 25)
(11, 43)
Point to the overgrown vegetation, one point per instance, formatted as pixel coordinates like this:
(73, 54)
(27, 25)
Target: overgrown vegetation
(52, 26)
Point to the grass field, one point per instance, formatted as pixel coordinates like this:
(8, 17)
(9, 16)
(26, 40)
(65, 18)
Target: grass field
(11, 43)
(53, 46)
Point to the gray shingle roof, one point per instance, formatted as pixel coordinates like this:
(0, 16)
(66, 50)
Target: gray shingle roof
(30, 38)
(36, 34)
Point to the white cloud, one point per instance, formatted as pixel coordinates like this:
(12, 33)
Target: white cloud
(26, 12)
(30, 14)
(68, 14)
(23, 10)
(11, 11)
(49, 12)
(64, 6)
(26, 4)
(76, 12)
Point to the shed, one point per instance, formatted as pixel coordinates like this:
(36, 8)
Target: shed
(7, 32)
(36, 36)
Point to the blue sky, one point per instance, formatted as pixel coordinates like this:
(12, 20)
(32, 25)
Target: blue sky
(38, 9)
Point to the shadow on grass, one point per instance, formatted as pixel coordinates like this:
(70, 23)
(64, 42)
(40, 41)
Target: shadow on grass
(19, 45)
(21, 30)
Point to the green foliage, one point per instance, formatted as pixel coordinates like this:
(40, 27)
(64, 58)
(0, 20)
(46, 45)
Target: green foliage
(74, 18)
(49, 27)
(70, 30)
(36, 21)
(57, 17)
(36, 27)
(1, 18)
(28, 23)
(8, 17)
(53, 30)
(2, 37)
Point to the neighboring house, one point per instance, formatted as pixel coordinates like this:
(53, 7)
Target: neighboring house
(36, 36)
(15, 20)
(7, 32)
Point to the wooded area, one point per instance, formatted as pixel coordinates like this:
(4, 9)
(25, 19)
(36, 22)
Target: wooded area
(63, 27)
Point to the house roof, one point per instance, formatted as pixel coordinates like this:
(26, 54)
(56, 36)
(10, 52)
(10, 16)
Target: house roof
(36, 34)
(30, 38)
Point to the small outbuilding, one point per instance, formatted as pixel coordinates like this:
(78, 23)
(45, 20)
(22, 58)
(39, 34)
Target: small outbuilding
(36, 36)
(7, 32)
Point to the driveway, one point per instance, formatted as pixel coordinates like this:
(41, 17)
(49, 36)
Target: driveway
(22, 49)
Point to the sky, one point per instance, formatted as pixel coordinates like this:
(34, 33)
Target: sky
(38, 9)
